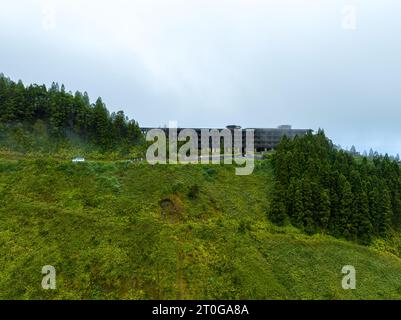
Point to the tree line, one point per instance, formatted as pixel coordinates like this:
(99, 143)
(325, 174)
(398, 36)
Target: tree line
(320, 188)
(65, 113)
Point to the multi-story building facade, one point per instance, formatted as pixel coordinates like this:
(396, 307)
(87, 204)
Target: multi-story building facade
(265, 139)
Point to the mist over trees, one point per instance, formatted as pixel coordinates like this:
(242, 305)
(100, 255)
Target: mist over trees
(63, 114)
(319, 188)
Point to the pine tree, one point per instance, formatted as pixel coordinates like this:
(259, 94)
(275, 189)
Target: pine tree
(324, 211)
(307, 199)
(364, 228)
(65, 115)
(327, 189)
(345, 207)
(375, 208)
(361, 227)
(297, 217)
(385, 214)
(101, 124)
(371, 153)
(277, 212)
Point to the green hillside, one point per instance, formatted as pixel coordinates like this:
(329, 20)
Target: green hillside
(122, 230)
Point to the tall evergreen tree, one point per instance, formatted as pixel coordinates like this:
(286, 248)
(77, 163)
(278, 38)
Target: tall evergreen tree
(277, 207)
(64, 115)
(326, 189)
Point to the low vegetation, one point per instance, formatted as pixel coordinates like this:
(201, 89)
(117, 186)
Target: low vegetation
(122, 230)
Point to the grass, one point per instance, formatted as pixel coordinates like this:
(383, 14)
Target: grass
(120, 230)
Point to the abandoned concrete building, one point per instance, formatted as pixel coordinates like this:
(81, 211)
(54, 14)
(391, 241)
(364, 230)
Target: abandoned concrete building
(265, 139)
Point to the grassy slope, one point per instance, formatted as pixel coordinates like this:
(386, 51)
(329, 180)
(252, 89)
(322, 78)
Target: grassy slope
(101, 225)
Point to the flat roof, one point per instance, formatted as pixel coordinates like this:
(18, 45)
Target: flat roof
(209, 128)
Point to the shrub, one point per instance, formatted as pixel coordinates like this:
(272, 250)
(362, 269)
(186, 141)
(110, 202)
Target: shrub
(178, 187)
(193, 192)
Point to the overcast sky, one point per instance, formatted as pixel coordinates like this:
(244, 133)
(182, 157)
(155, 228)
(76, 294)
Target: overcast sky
(209, 63)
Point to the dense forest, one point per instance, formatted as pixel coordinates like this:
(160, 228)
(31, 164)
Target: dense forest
(320, 188)
(63, 115)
